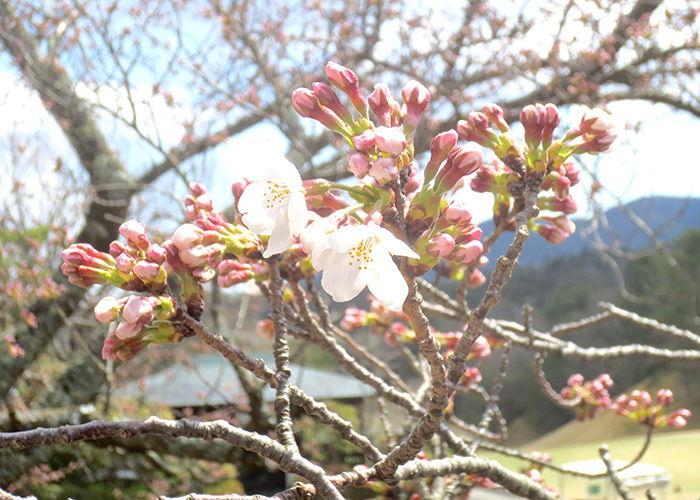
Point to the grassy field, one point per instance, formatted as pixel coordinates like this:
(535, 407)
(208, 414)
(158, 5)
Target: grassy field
(678, 452)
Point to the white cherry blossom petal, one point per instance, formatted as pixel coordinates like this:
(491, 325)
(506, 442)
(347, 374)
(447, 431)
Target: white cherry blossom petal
(359, 256)
(341, 280)
(387, 283)
(275, 206)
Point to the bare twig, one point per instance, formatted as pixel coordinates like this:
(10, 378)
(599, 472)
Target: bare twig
(620, 486)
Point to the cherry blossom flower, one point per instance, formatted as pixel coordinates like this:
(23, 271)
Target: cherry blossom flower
(360, 256)
(275, 205)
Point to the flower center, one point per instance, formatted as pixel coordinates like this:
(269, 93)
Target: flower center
(276, 193)
(361, 254)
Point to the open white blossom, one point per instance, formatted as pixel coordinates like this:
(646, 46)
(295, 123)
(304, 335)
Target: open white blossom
(275, 205)
(359, 256)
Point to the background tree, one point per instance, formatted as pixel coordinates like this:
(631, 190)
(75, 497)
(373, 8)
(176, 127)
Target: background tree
(148, 93)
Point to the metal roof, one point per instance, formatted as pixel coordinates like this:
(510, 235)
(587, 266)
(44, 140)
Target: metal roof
(212, 381)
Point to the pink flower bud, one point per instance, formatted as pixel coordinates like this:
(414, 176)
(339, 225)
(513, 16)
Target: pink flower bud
(353, 319)
(365, 141)
(550, 123)
(604, 378)
(116, 248)
(476, 128)
(265, 329)
(187, 236)
(469, 233)
(232, 272)
(676, 422)
(552, 234)
(391, 141)
(496, 115)
(416, 98)
(347, 81)
(126, 330)
(109, 348)
(358, 164)
(414, 181)
(134, 232)
(468, 253)
(238, 187)
(480, 349)
(471, 376)
(107, 310)
(85, 266)
(461, 161)
(329, 99)
(197, 189)
(384, 170)
(533, 119)
(477, 279)
(642, 397)
(603, 143)
(440, 148)
(575, 379)
(684, 413)
(139, 309)
(146, 270)
(156, 254)
(465, 160)
(572, 171)
(381, 102)
(457, 214)
(125, 263)
(567, 205)
(306, 104)
(596, 121)
(664, 397)
(440, 245)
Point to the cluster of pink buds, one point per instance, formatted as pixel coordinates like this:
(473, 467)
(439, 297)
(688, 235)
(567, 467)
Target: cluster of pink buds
(380, 150)
(146, 320)
(472, 375)
(320, 199)
(139, 256)
(456, 162)
(639, 406)
(380, 318)
(134, 266)
(539, 122)
(592, 396)
(595, 134)
(554, 229)
(210, 241)
(477, 128)
(453, 237)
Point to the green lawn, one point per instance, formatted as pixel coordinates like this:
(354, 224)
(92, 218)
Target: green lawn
(678, 452)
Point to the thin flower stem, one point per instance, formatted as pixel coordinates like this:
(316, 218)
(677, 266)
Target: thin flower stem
(541, 379)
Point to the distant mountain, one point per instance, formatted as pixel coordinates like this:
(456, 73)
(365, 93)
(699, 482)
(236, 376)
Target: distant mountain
(666, 216)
